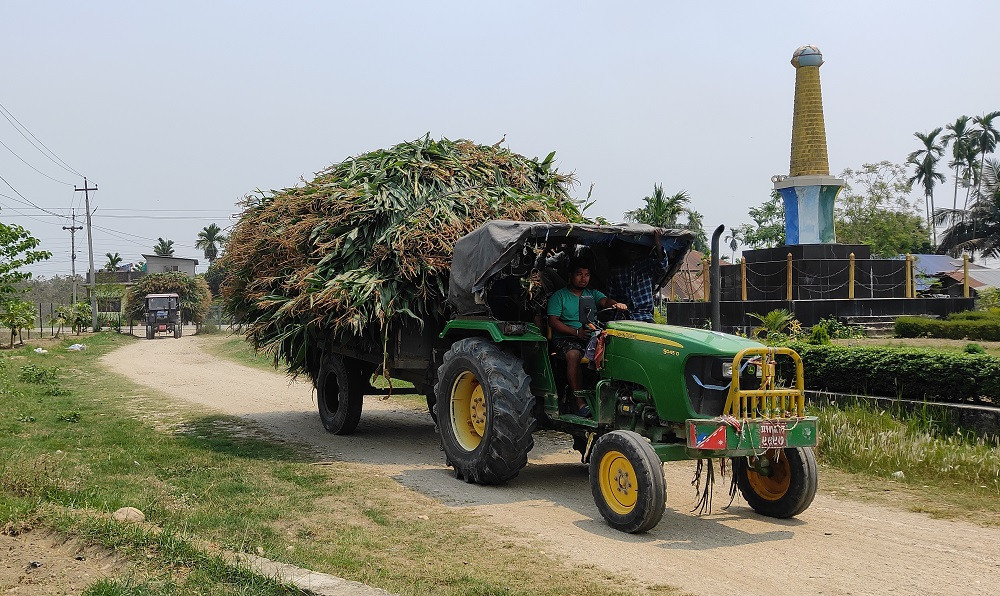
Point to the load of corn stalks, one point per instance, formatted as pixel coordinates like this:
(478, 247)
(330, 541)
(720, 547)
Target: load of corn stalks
(367, 243)
(195, 297)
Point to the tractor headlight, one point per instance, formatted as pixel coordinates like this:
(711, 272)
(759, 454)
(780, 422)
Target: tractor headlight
(727, 370)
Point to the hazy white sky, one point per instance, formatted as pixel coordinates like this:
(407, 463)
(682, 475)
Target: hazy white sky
(187, 106)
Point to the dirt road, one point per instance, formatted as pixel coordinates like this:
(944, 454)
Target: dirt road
(836, 547)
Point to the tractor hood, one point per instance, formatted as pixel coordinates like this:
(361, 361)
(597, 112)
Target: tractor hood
(691, 341)
(484, 253)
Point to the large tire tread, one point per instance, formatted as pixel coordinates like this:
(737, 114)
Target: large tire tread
(504, 449)
(340, 416)
(651, 490)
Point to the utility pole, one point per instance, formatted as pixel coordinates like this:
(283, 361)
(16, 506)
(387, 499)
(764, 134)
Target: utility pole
(72, 243)
(92, 281)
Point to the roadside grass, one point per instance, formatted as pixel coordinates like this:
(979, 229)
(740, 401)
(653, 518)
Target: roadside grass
(208, 482)
(961, 470)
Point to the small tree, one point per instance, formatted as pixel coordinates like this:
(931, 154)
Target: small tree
(164, 248)
(17, 315)
(17, 249)
(114, 260)
(210, 238)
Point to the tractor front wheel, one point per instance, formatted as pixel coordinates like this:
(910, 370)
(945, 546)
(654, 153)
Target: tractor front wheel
(626, 477)
(340, 396)
(484, 411)
(780, 483)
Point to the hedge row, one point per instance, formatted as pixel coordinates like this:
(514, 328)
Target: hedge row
(987, 329)
(908, 373)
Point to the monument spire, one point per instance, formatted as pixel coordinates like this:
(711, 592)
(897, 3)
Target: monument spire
(808, 191)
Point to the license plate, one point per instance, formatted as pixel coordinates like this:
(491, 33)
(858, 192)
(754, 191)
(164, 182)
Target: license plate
(773, 434)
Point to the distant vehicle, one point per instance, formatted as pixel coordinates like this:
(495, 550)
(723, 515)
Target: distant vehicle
(163, 314)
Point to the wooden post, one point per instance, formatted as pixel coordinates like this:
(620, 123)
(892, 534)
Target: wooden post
(850, 279)
(704, 278)
(788, 280)
(743, 272)
(965, 274)
(672, 289)
(909, 275)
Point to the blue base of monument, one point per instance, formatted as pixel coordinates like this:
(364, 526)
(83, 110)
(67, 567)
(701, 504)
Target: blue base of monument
(809, 210)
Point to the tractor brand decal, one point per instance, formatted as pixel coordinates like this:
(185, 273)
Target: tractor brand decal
(703, 439)
(644, 337)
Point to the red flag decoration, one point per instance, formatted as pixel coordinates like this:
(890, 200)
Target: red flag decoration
(702, 439)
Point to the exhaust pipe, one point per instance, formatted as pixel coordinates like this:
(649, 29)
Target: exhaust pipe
(715, 281)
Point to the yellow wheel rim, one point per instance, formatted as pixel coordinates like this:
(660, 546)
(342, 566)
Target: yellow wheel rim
(618, 482)
(468, 411)
(775, 485)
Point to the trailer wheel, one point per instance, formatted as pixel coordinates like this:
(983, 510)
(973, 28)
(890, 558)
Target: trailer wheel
(432, 404)
(149, 332)
(626, 478)
(484, 411)
(340, 396)
(177, 331)
(787, 487)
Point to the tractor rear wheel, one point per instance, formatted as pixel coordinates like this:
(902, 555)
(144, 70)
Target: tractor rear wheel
(781, 483)
(626, 477)
(340, 395)
(484, 411)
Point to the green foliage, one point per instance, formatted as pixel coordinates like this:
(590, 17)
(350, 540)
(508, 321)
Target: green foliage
(819, 335)
(662, 211)
(114, 260)
(774, 323)
(17, 249)
(214, 277)
(837, 330)
(976, 315)
(908, 373)
(973, 348)
(986, 329)
(195, 298)
(768, 229)
(367, 244)
(874, 208)
(988, 299)
(163, 248)
(38, 375)
(16, 315)
(210, 238)
(976, 230)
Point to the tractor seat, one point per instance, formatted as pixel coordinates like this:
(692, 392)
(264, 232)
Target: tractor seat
(553, 354)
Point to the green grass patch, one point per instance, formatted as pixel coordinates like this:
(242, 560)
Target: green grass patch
(204, 479)
(915, 448)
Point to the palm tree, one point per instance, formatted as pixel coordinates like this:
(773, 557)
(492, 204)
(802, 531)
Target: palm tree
(986, 136)
(660, 211)
(978, 229)
(925, 161)
(958, 131)
(114, 260)
(209, 240)
(164, 248)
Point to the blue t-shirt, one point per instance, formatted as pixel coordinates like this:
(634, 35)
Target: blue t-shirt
(566, 305)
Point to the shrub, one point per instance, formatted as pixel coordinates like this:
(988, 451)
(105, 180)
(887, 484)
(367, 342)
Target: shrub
(908, 373)
(987, 329)
(973, 348)
(819, 336)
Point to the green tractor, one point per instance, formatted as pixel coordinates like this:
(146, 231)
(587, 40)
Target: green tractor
(661, 393)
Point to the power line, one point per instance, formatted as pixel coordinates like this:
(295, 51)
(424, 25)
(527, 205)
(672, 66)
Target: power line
(62, 164)
(33, 167)
(27, 201)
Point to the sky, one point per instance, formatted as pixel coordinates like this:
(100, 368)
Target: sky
(177, 110)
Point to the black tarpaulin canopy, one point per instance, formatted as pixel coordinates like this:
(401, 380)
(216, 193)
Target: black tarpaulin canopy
(485, 252)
